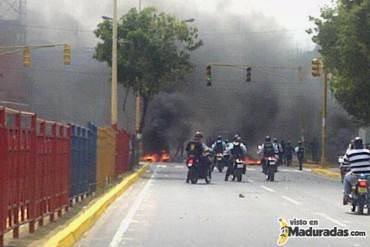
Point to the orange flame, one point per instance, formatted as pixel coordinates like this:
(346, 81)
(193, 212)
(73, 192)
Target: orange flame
(162, 157)
(251, 161)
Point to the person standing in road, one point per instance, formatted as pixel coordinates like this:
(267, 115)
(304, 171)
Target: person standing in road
(288, 153)
(281, 154)
(279, 151)
(314, 147)
(299, 150)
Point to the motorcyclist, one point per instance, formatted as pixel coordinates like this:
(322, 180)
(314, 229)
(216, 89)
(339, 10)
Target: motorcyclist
(219, 146)
(267, 149)
(237, 151)
(196, 148)
(288, 153)
(358, 159)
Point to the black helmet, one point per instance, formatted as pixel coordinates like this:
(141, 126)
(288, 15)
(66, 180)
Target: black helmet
(267, 139)
(236, 137)
(227, 140)
(198, 134)
(275, 140)
(219, 138)
(358, 143)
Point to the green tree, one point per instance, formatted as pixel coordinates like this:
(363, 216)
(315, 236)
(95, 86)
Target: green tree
(343, 34)
(153, 52)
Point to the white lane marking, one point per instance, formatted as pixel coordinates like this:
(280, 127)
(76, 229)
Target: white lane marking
(162, 166)
(165, 175)
(250, 180)
(267, 188)
(331, 219)
(125, 223)
(291, 200)
(251, 169)
(180, 167)
(307, 169)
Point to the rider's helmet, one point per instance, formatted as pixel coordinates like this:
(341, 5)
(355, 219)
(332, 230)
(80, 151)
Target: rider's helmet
(363, 176)
(275, 140)
(358, 143)
(237, 140)
(236, 137)
(198, 136)
(267, 139)
(219, 138)
(226, 141)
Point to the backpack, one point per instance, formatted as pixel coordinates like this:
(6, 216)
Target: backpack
(237, 150)
(268, 149)
(219, 147)
(194, 148)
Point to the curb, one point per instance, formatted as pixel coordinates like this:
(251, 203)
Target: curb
(74, 231)
(325, 172)
(322, 171)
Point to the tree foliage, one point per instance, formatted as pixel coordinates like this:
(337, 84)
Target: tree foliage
(343, 34)
(153, 51)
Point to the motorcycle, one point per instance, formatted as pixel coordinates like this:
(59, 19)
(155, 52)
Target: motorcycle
(360, 195)
(198, 170)
(239, 169)
(343, 168)
(271, 163)
(220, 162)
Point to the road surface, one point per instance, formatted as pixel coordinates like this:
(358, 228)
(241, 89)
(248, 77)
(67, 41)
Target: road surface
(161, 210)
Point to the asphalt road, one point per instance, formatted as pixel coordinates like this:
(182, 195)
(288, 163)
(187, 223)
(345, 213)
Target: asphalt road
(161, 210)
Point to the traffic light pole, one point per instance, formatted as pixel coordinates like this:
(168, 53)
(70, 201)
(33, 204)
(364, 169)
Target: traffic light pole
(324, 120)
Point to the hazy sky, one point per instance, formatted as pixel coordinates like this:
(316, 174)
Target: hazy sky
(289, 14)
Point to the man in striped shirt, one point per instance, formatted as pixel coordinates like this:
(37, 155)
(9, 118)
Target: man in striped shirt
(358, 159)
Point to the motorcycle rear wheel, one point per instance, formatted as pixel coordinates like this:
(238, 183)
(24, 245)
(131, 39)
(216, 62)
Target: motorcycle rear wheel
(361, 204)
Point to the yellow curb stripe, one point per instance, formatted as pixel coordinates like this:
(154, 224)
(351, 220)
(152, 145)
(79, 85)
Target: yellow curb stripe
(74, 231)
(326, 172)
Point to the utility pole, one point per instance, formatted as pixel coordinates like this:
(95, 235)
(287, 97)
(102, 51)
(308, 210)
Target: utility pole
(138, 136)
(324, 135)
(114, 68)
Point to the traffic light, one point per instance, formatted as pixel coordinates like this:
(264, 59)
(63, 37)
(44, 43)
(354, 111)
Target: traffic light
(67, 54)
(209, 76)
(316, 67)
(27, 57)
(249, 74)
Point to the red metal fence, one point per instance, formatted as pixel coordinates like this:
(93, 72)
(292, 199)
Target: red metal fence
(34, 169)
(122, 151)
(41, 162)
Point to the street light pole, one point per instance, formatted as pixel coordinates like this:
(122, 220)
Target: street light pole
(114, 103)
